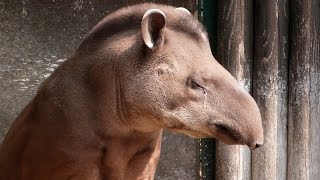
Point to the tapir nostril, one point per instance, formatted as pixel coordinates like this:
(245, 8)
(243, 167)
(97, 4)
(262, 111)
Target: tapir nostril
(258, 145)
(255, 146)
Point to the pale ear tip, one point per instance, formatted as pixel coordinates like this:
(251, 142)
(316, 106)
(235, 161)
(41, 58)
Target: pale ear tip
(153, 11)
(183, 10)
(149, 44)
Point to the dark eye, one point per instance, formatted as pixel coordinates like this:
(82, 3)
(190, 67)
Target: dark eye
(197, 86)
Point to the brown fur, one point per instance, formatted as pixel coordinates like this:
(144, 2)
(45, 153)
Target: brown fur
(100, 115)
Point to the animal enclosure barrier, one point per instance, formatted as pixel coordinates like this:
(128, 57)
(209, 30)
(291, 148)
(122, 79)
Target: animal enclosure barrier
(271, 47)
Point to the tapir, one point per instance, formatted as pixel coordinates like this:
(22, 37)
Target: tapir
(101, 113)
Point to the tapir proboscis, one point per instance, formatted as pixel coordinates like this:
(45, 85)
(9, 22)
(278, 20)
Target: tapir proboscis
(100, 115)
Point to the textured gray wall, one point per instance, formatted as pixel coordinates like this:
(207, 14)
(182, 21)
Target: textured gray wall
(35, 37)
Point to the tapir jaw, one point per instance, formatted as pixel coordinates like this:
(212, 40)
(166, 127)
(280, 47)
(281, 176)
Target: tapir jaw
(222, 132)
(234, 127)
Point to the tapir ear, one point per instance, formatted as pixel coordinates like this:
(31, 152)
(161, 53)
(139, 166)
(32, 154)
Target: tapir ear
(152, 26)
(183, 10)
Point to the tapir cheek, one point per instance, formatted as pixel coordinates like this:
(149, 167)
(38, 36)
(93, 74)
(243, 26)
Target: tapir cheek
(172, 105)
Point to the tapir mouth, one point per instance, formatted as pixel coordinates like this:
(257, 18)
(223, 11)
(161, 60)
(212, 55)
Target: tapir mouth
(229, 135)
(232, 136)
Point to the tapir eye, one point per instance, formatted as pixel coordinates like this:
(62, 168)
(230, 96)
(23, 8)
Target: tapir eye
(195, 85)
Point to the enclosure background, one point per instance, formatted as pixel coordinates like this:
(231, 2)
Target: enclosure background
(37, 36)
(272, 47)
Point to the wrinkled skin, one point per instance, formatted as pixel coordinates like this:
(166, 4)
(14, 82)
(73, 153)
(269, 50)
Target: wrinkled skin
(100, 115)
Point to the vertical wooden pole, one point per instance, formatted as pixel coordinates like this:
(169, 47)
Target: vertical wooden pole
(234, 52)
(207, 145)
(270, 86)
(315, 92)
(299, 116)
(209, 19)
(304, 108)
(282, 120)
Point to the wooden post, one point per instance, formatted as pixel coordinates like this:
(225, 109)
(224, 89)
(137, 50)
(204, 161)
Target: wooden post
(270, 87)
(234, 52)
(315, 92)
(207, 14)
(304, 97)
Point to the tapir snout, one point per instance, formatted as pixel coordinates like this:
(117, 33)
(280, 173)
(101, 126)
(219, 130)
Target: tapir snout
(235, 117)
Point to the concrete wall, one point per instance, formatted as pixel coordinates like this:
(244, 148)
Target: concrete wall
(37, 36)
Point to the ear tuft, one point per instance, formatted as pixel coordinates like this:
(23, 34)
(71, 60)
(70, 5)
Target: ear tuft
(183, 10)
(152, 26)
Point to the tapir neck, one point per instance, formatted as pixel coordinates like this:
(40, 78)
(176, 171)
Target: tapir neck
(133, 157)
(62, 153)
(70, 133)
(100, 135)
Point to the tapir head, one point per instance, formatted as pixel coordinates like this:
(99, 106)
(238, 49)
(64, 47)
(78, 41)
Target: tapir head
(180, 86)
